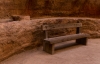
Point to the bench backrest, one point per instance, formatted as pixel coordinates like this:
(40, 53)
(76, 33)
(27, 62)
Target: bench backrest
(58, 26)
(46, 27)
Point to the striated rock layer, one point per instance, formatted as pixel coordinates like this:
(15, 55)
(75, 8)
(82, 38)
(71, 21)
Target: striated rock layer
(37, 8)
(17, 35)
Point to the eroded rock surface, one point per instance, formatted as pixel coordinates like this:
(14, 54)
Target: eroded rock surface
(17, 35)
(38, 8)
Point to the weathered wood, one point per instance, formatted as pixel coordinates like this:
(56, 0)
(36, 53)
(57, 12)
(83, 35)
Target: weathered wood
(66, 38)
(77, 29)
(58, 26)
(48, 45)
(46, 32)
(82, 41)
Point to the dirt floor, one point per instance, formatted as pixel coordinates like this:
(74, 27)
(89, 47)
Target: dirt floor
(78, 54)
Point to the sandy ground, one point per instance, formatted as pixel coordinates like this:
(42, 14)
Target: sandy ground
(78, 54)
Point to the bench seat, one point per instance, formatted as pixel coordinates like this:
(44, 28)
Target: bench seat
(66, 38)
(49, 43)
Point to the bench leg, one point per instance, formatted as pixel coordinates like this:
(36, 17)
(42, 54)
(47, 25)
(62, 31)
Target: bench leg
(49, 48)
(82, 41)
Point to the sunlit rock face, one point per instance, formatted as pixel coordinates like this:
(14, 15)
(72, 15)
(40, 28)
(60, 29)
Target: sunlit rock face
(11, 7)
(17, 35)
(38, 8)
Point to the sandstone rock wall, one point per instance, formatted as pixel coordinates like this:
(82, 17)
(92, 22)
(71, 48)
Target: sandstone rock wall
(11, 7)
(17, 35)
(38, 8)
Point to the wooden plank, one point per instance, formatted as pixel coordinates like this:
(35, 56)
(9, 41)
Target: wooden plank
(82, 41)
(58, 26)
(66, 38)
(49, 48)
(77, 30)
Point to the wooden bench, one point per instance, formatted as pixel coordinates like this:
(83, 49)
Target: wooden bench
(48, 44)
